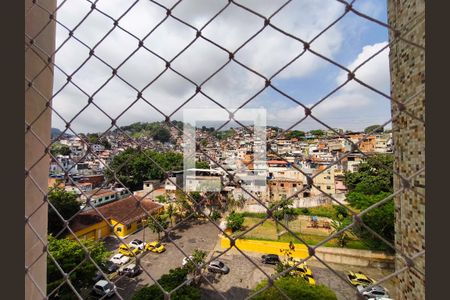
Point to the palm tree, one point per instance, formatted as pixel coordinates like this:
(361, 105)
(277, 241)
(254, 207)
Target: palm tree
(343, 237)
(170, 213)
(157, 224)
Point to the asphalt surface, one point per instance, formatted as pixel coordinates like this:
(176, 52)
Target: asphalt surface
(243, 276)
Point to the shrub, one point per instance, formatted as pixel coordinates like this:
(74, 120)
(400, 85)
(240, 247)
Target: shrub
(170, 281)
(235, 221)
(294, 288)
(254, 215)
(215, 215)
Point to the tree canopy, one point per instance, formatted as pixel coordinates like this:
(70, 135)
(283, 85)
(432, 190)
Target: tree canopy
(133, 167)
(295, 134)
(372, 183)
(158, 223)
(65, 203)
(70, 254)
(161, 134)
(371, 128)
(295, 288)
(59, 149)
(235, 221)
(373, 176)
(170, 281)
(317, 132)
(202, 164)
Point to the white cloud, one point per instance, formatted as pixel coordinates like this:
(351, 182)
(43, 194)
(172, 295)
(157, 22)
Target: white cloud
(266, 54)
(354, 106)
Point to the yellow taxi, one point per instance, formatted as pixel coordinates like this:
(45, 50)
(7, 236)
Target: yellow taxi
(301, 269)
(359, 278)
(155, 246)
(309, 279)
(128, 250)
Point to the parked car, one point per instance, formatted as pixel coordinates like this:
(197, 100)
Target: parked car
(102, 288)
(272, 259)
(374, 292)
(137, 244)
(130, 270)
(119, 259)
(98, 276)
(155, 246)
(186, 260)
(110, 267)
(301, 269)
(309, 279)
(359, 279)
(128, 251)
(217, 266)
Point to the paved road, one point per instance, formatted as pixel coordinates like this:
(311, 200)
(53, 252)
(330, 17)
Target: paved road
(190, 236)
(243, 276)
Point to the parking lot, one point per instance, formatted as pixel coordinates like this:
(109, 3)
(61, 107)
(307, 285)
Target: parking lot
(243, 276)
(191, 235)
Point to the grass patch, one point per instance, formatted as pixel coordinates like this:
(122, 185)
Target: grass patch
(267, 231)
(264, 230)
(254, 215)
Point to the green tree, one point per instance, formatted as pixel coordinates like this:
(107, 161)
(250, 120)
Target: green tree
(202, 164)
(170, 213)
(161, 198)
(168, 282)
(104, 142)
(161, 134)
(235, 221)
(284, 209)
(133, 167)
(371, 128)
(59, 149)
(341, 212)
(374, 175)
(69, 255)
(215, 215)
(317, 132)
(158, 223)
(295, 134)
(198, 259)
(92, 138)
(294, 288)
(343, 237)
(372, 183)
(65, 203)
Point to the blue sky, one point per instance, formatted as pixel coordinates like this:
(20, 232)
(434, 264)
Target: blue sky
(349, 42)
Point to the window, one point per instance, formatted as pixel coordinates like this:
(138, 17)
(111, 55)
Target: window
(119, 229)
(282, 184)
(129, 226)
(328, 187)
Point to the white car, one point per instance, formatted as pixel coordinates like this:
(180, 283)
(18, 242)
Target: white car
(119, 259)
(137, 244)
(103, 288)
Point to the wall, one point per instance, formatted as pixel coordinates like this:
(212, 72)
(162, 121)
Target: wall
(407, 66)
(125, 231)
(35, 105)
(353, 257)
(92, 231)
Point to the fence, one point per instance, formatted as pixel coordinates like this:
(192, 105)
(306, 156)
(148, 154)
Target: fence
(406, 35)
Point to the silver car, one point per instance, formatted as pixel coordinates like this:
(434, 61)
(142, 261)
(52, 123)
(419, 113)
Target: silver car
(103, 287)
(217, 266)
(375, 292)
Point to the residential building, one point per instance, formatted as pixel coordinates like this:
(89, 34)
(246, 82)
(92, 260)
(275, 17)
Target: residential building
(125, 215)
